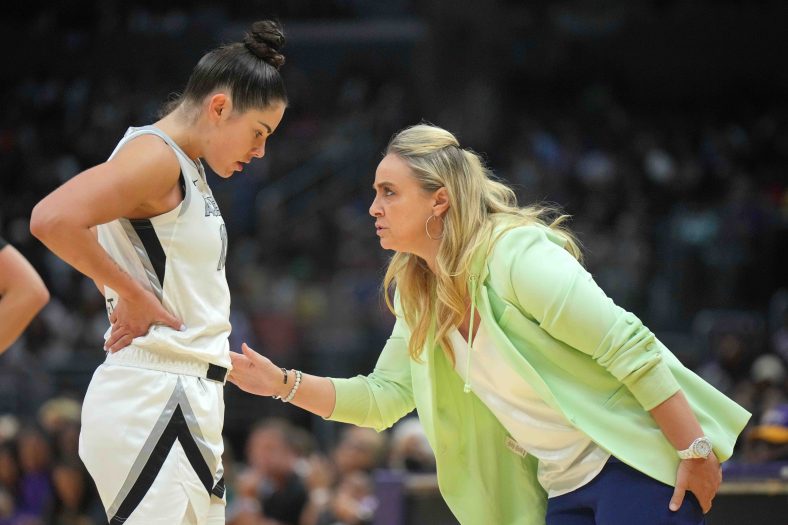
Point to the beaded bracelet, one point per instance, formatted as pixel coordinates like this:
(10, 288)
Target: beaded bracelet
(292, 393)
(284, 381)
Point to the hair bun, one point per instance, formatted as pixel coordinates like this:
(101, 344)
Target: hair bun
(264, 40)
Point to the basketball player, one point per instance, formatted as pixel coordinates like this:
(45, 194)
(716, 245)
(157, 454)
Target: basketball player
(22, 294)
(146, 228)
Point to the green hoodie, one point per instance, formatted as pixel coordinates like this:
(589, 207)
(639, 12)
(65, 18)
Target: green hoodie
(588, 358)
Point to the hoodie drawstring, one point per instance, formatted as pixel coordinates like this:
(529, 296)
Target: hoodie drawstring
(467, 388)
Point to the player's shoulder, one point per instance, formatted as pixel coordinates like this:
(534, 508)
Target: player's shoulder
(145, 145)
(148, 154)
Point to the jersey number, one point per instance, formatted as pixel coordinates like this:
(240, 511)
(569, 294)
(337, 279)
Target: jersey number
(223, 256)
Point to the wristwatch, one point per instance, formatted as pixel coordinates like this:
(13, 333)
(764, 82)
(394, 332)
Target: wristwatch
(700, 448)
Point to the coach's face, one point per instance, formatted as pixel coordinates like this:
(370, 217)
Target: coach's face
(402, 207)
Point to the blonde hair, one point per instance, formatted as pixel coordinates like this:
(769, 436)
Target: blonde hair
(476, 196)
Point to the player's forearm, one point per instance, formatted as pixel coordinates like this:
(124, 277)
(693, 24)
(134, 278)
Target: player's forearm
(78, 247)
(22, 295)
(18, 306)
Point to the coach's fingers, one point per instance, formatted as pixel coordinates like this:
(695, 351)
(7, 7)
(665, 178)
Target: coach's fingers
(705, 501)
(678, 498)
(706, 507)
(231, 378)
(239, 361)
(250, 354)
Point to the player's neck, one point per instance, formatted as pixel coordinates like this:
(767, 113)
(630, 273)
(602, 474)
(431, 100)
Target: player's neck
(175, 126)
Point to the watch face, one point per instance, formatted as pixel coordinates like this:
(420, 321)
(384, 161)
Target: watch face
(702, 447)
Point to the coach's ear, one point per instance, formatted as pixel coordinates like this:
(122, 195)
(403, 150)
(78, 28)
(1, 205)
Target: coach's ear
(440, 201)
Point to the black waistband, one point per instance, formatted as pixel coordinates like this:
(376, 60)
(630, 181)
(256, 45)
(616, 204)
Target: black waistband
(216, 373)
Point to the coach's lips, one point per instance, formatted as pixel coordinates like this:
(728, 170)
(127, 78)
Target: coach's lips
(378, 228)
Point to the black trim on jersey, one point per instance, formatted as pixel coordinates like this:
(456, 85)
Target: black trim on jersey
(218, 489)
(150, 241)
(178, 429)
(182, 180)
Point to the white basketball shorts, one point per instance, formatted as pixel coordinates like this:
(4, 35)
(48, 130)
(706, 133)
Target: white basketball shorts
(152, 441)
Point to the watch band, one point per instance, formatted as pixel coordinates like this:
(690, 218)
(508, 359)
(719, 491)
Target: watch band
(700, 448)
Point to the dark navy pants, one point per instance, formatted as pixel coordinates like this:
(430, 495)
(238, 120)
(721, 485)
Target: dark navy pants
(621, 495)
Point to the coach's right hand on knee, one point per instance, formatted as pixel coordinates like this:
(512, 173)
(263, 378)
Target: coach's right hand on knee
(256, 374)
(133, 317)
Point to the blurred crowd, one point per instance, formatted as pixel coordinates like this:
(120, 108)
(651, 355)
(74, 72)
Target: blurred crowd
(683, 213)
(279, 477)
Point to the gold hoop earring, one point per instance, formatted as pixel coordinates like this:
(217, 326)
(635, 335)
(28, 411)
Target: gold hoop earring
(427, 227)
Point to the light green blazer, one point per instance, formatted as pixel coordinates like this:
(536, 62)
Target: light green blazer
(588, 358)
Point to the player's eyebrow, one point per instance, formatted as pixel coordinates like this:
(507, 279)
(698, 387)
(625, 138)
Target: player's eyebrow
(266, 126)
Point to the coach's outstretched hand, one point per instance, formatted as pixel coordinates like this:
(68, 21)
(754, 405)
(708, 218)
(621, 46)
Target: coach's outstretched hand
(255, 373)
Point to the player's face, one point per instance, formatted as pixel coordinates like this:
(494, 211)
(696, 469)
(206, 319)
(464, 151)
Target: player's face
(241, 138)
(401, 207)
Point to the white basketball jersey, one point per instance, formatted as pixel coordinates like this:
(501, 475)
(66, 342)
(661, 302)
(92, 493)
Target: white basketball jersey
(180, 257)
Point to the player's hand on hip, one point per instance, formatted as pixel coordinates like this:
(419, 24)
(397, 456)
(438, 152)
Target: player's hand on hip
(134, 315)
(700, 476)
(255, 373)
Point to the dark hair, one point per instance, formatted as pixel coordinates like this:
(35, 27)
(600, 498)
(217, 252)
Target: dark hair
(249, 69)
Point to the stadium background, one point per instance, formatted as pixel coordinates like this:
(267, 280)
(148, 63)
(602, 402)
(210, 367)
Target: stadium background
(661, 126)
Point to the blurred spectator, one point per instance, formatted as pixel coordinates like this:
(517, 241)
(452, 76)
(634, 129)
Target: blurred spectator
(56, 414)
(74, 503)
(353, 503)
(35, 485)
(244, 508)
(9, 483)
(358, 449)
(410, 451)
(780, 337)
(272, 461)
(6, 508)
(728, 364)
(768, 441)
(9, 426)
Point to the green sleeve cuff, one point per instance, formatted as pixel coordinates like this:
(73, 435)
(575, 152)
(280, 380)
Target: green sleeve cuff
(654, 385)
(352, 400)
